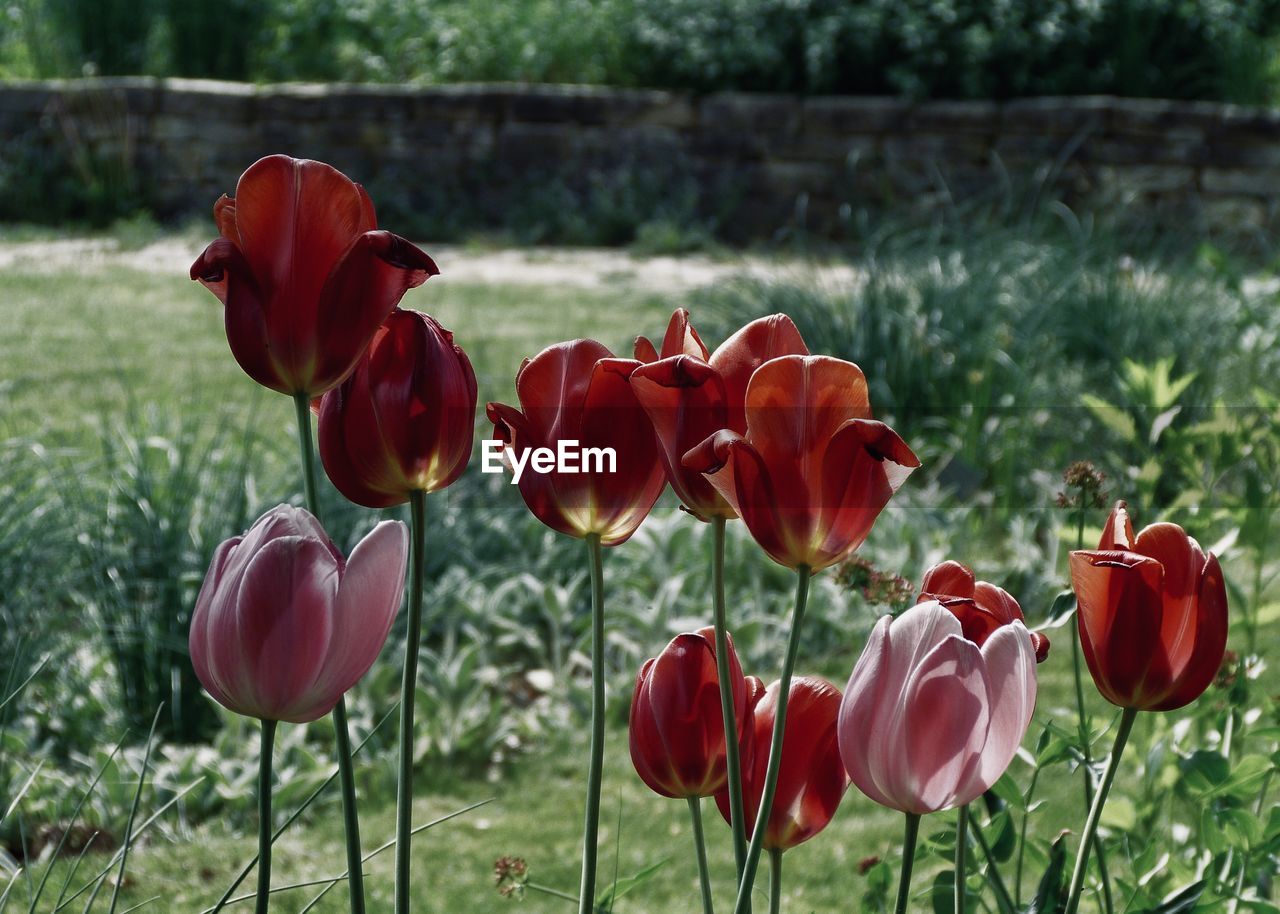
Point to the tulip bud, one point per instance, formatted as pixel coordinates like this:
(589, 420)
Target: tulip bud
(578, 392)
(283, 626)
(1153, 614)
(813, 470)
(930, 720)
(980, 607)
(676, 727)
(303, 274)
(405, 418)
(811, 777)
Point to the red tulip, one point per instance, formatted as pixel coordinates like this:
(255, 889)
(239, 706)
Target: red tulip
(284, 626)
(405, 418)
(574, 398)
(811, 777)
(303, 274)
(813, 470)
(1153, 614)
(930, 719)
(676, 729)
(690, 395)
(980, 607)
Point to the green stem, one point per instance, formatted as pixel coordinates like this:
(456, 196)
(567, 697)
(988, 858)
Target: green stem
(591, 824)
(1003, 901)
(962, 840)
(700, 847)
(908, 861)
(1022, 839)
(733, 763)
(775, 880)
(264, 817)
(803, 575)
(341, 730)
(1095, 812)
(408, 694)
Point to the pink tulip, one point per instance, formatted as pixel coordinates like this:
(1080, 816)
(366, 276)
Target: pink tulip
(284, 626)
(930, 720)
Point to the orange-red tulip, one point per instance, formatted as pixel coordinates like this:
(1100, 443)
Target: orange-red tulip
(813, 470)
(1153, 614)
(578, 392)
(980, 607)
(304, 275)
(676, 729)
(405, 418)
(690, 394)
(811, 778)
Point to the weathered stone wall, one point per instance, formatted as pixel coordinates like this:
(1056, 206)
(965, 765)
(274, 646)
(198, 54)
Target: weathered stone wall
(757, 162)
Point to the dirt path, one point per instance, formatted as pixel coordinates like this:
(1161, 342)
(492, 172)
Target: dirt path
(573, 267)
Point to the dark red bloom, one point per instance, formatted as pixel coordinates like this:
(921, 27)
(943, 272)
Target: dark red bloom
(575, 396)
(813, 470)
(1153, 614)
(811, 779)
(690, 395)
(980, 607)
(304, 275)
(405, 418)
(677, 727)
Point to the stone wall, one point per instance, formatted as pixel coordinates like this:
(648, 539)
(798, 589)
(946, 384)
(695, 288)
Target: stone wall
(753, 164)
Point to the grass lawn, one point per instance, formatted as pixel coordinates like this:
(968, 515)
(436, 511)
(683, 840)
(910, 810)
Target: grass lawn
(84, 342)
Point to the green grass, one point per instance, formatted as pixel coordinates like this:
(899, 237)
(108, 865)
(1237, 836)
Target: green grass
(84, 339)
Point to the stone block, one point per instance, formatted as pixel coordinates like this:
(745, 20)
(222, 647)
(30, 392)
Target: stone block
(854, 115)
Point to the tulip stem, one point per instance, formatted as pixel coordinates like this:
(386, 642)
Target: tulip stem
(803, 574)
(1095, 811)
(408, 694)
(700, 847)
(591, 825)
(775, 880)
(264, 816)
(911, 832)
(341, 730)
(728, 712)
(962, 838)
(1003, 901)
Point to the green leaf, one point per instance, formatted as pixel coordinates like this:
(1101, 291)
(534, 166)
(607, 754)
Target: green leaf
(628, 884)
(1049, 897)
(1113, 417)
(1182, 901)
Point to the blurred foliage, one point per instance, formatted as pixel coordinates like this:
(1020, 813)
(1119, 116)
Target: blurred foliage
(1220, 49)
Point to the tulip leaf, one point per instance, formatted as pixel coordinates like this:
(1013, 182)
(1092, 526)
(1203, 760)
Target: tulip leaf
(1182, 901)
(628, 884)
(1049, 897)
(1060, 611)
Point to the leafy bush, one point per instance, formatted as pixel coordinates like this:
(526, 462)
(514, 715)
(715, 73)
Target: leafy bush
(1222, 49)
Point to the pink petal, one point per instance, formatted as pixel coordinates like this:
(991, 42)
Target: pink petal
(1010, 662)
(861, 724)
(369, 597)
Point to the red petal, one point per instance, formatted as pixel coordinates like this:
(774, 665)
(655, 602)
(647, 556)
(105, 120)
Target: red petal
(1208, 640)
(948, 578)
(738, 357)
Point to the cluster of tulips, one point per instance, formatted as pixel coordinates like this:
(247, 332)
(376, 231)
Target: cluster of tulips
(759, 429)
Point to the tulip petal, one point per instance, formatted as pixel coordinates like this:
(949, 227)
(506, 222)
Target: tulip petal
(737, 358)
(1208, 641)
(682, 339)
(1117, 533)
(945, 725)
(368, 600)
(224, 216)
(948, 578)
(643, 736)
(1010, 664)
(864, 713)
(1120, 607)
(795, 404)
(296, 218)
(1183, 561)
(270, 649)
(740, 475)
(365, 286)
(684, 399)
(199, 646)
(684, 695)
(553, 385)
(225, 272)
